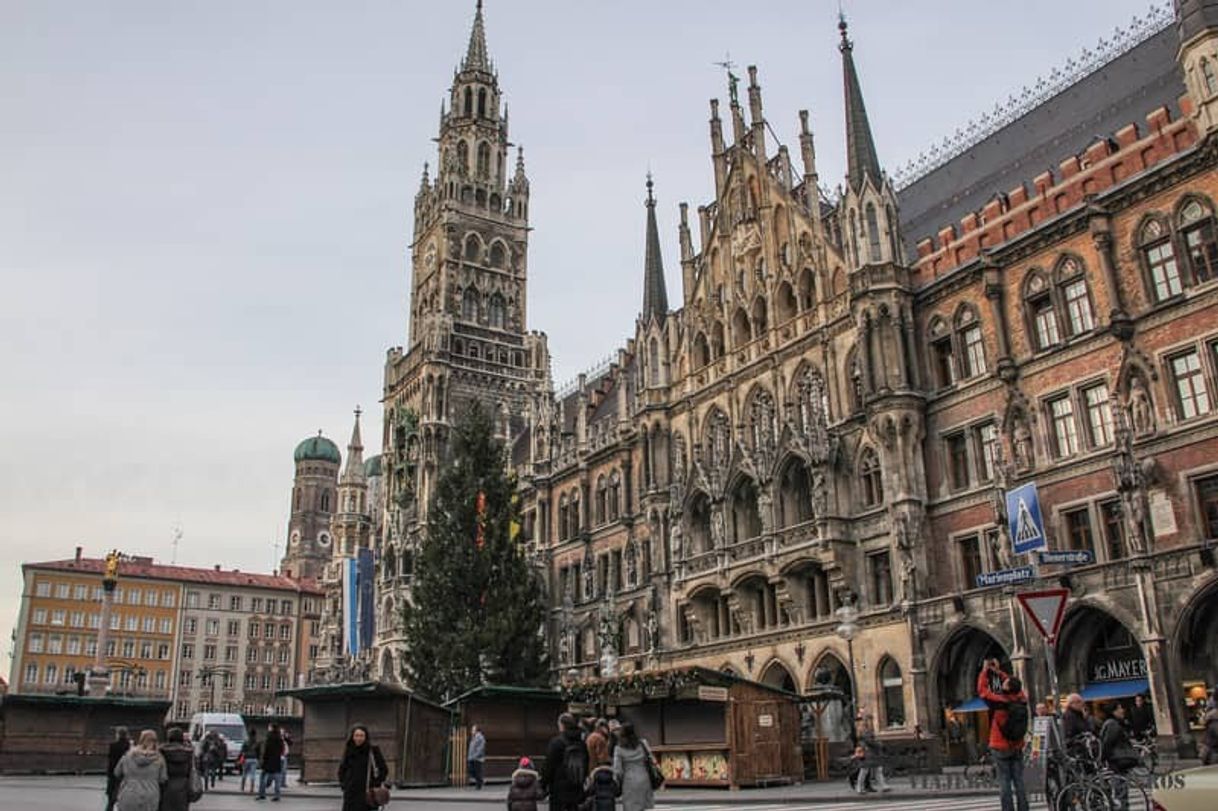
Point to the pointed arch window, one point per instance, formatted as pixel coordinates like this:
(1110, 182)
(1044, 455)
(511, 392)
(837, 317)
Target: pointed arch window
(498, 255)
(473, 248)
(564, 518)
(469, 102)
(870, 479)
(702, 355)
(653, 358)
(807, 289)
(1208, 78)
(482, 102)
(892, 689)
(1200, 245)
(484, 160)
(602, 501)
(786, 306)
(1159, 257)
(463, 156)
(325, 501)
(742, 331)
(970, 343)
(469, 304)
(615, 495)
(854, 238)
(873, 234)
(1076, 298)
(498, 312)
(942, 353)
(759, 316)
(1038, 303)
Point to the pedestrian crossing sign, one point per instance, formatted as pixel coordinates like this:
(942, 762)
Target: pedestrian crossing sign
(1024, 519)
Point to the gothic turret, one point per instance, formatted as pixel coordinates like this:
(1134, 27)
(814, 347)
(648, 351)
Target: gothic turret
(1198, 26)
(655, 294)
(352, 520)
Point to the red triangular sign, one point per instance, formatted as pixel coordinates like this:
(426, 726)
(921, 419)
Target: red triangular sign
(1045, 609)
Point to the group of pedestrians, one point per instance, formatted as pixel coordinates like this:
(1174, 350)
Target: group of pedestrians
(148, 777)
(170, 776)
(587, 768)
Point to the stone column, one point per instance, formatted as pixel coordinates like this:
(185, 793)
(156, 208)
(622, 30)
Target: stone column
(995, 294)
(99, 676)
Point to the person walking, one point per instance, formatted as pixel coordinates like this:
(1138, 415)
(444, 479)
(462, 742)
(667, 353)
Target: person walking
(1141, 719)
(211, 748)
(525, 792)
(1209, 734)
(141, 773)
(179, 764)
(271, 763)
(476, 757)
(1008, 727)
(287, 750)
(120, 746)
(249, 760)
(566, 766)
(630, 758)
(871, 767)
(362, 767)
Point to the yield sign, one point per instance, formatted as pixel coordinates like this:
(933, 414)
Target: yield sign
(1045, 609)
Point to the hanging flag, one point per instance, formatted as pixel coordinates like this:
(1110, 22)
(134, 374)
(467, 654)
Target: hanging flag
(480, 507)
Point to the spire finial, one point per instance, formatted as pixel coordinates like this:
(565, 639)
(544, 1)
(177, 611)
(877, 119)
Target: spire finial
(861, 158)
(655, 293)
(358, 411)
(476, 56)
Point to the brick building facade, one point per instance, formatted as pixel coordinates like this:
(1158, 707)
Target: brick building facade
(850, 383)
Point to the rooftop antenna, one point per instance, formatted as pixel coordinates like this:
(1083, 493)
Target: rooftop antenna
(732, 79)
(177, 537)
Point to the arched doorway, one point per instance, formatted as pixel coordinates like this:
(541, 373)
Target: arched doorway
(1196, 646)
(1099, 658)
(777, 675)
(834, 722)
(962, 717)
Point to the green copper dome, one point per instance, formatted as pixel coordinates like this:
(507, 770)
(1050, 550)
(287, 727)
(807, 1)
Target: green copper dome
(373, 466)
(317, 448)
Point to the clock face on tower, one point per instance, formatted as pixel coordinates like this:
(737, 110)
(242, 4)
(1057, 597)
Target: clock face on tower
(323, 538)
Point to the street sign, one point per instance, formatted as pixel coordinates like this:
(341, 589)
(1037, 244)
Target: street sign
(1005, 577)
(1070, 557)
(1024, 520)
(1045, 609)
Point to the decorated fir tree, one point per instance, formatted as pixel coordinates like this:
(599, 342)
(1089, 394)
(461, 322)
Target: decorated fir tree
(476, 612)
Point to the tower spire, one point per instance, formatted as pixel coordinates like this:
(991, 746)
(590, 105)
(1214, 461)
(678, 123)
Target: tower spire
(861, 158)
(655, 295)
(355, 453)
(476, 56)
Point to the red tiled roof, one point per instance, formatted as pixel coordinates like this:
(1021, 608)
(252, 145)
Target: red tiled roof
(145, 568)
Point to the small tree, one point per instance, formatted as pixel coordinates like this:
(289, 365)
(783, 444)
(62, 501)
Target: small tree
(475, 607)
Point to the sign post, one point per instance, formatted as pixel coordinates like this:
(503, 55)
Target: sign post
(1046, 609)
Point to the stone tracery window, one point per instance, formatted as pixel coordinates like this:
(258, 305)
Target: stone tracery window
(718, 440)
(870, 479)
(1200, 245)
(1159, 257)
(498, 312)
(762, 419)
(969, 343)
(811, 400)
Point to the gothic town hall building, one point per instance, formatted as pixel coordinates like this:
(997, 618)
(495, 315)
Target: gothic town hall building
(830, 411)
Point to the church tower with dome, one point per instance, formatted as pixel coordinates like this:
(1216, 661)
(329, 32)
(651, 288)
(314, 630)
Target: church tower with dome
(314, 502)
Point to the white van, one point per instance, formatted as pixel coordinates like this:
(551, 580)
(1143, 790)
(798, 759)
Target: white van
(229, 724)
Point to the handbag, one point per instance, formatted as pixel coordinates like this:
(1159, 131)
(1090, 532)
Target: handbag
(194, 792)
(376, 796)
(653, 771)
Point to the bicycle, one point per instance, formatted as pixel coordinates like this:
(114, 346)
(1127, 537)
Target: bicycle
(982, 770)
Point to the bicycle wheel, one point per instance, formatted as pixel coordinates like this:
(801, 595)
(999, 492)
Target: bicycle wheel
(1082, 797)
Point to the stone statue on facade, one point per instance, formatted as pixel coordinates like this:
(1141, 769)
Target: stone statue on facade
(1131, 478)
(675, 543)
(1022, 444)
(1141, 412)
(718, 531)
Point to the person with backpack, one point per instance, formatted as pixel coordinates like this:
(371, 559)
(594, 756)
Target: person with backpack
(601, 789)
(566, 766)
(1008, 728)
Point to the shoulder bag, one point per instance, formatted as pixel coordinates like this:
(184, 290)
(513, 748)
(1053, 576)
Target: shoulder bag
(376, 796)
(194, 791)
(653, 770)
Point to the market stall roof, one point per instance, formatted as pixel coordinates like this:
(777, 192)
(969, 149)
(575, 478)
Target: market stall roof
(1101, 690)
(974, 704)
(662, 683)
(508, 692)
(85, 701)
(337, 692)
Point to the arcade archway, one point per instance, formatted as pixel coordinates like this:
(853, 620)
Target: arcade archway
(1098, 657)
(834, 720)
(962, 717)
(1196, 643)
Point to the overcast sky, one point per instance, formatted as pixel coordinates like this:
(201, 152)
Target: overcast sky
(205, 209)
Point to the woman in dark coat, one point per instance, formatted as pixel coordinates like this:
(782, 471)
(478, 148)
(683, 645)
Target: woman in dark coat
(179, 762)
(121, 744)
(354, 774)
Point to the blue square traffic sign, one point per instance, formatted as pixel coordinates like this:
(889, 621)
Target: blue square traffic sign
(1024, 520)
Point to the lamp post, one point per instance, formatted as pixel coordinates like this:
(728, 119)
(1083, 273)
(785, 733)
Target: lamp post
(848, 629)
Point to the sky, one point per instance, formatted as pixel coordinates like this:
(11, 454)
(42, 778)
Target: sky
(205, 212)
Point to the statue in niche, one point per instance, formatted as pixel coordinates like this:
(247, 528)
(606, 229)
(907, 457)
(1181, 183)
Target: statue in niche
(1141, 412)
(765, 509)
(718, 531)
(1022, 443)
(632, 566)
(675, 540)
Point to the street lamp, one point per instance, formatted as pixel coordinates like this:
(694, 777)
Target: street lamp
(848, 629)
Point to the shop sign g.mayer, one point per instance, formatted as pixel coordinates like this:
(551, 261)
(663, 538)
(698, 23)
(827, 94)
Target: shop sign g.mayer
(1117, 666)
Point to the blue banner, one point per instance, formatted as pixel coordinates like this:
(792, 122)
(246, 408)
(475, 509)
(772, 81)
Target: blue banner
(350, 607)
(1024, 519)
(367, 599)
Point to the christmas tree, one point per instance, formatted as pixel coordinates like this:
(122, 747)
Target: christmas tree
(476, 612)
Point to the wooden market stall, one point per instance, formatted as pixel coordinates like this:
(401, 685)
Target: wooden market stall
(516, 721)
(411, 732)
(706, 728)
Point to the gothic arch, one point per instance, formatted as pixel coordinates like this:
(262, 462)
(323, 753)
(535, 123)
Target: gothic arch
(776, 673)
(786, 306)
(498, 254)
(794, 481)
(1206, 204)
(742, 498)
(742, 332)
(473, 248)
(759, 316)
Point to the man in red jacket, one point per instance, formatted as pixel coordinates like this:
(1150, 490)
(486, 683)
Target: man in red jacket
(1008, 727)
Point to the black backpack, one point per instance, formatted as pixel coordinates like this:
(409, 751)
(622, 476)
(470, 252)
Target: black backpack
(1015, 727)
(575, 763)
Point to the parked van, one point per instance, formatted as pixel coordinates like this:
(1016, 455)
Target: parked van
(229, 724)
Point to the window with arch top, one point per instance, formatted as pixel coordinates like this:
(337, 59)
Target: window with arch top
(870, 479)
(1076, 298)
(469, 304)
(498, 312)
(1041, 312)
(498, 257)
(1209, 81)
(473, 248)
(941, 353)
(615, 494)
(1159, 258)
(892, 688)
(1196, 221)
(873, 234)
(484, 160)
(969, 343)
